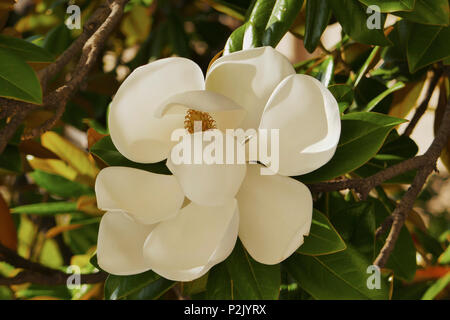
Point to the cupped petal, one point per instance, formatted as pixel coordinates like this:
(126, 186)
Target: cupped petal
(186, 247)
(148, 197)
(206, 179)
(308, 119)
(226, 113)
(275, 214)
(248, 77)
(135, 131)
(120, 243)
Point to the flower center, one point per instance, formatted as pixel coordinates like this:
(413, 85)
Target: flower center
(194, 118)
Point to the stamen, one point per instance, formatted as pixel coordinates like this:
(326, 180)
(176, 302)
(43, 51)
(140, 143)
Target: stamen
(193, 116)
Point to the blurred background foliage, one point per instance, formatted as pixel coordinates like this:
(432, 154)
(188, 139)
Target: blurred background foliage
(48, 210)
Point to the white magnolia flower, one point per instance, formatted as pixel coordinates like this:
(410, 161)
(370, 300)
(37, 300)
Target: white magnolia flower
(149, 225)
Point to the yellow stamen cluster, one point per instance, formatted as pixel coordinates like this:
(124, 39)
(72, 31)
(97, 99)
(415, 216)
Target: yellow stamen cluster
(192, 116)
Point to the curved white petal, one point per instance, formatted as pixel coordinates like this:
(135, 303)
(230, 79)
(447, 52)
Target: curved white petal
(248, 77)
(135, 130)
(227, 113)
(120, 243)
(307, 116)
(275, 214)
(147, 196)
(207, 182)
(220, 254)
(184, 248)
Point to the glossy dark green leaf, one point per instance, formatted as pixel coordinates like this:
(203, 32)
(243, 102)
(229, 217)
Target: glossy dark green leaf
(251, 279)
(46, 208)
(219, 286)
(60, 186)
(146, 285)
(234, 42)
(281, 18)
(426, 45)
(362, 131)
(338, 276)
(25, 50)
(353, 18)
(435, 12)
(17, 79)
(266, 24)
(323, 237)
(342, 92)
(356, 224)
(107, 152)
(391, 5)
(318, 13)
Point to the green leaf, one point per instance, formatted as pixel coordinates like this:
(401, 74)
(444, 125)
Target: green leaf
(445, 257)
(437, 287)
(338, 276)
(266, 24)
(281, 19)
(234, 42)
(353, 19)
(426, 45)
(342, 93)
(395, 149)
(60, 186)
(17, 79)
(391, 5)
(362, 131)
(375, 101)
(107, 152)
(318, 14)
(219, 286)
(146, 285)
(366, 65)
(323, 237)
(58, 39)
(25, 50)
(46, 208)
(251, 279)
(435, 12)
(356, 224)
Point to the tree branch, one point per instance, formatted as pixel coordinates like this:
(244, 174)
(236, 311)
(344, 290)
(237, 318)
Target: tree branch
(90, 42)
(39, 274)
(406, 204)
(422, 108)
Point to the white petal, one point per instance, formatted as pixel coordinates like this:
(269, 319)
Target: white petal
(120, 243)
(220, 254)
(199, 237)
(275, 214)
(147, 196)
(248, 77)
(307, 115)
(207, 183)
(227, 113)
(135, 130)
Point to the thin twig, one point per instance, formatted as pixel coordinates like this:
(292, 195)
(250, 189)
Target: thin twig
(37, 273)
(422, 108)
(406, 204)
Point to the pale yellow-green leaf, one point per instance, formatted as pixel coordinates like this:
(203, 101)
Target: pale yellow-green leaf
(54, 166)
(71, 154)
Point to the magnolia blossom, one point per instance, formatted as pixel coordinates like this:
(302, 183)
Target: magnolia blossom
(181, 225)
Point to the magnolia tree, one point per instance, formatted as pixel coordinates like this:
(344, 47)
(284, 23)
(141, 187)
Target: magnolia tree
(176, 150)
